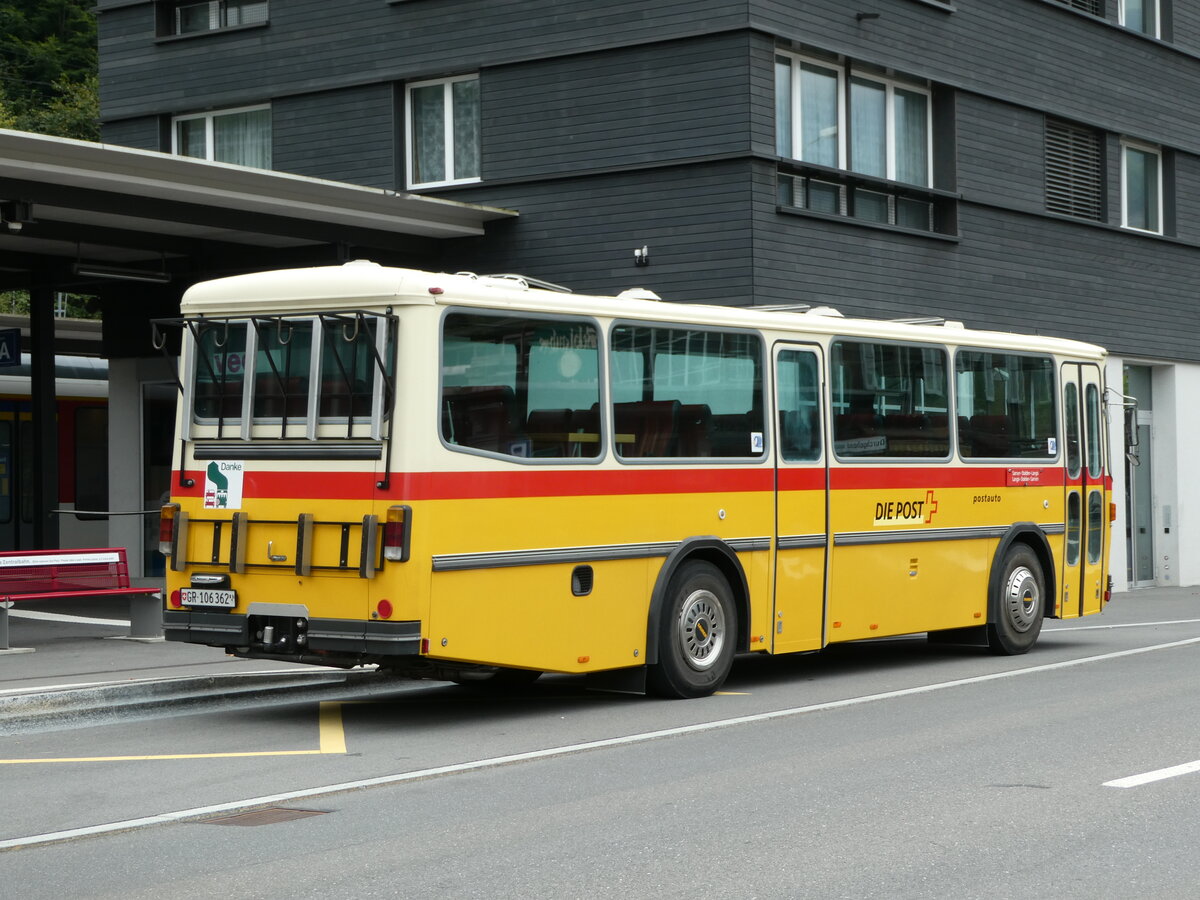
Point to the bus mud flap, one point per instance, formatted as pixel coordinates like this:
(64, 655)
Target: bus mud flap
(971, 636)
(618, 681)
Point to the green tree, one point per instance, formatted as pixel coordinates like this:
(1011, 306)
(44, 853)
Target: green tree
(48, 80)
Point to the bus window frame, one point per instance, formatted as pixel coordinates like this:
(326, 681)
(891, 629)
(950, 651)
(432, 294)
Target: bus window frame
(527, 316)
(951, 432)
(1059, 433)
(766, 398)
(318, 431)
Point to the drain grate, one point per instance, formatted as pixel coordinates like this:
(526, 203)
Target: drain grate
(269, 816)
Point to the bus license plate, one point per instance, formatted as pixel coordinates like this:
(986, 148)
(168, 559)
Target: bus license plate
(208, 597)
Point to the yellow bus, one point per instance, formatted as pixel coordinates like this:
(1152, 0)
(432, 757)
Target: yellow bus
(466, 477)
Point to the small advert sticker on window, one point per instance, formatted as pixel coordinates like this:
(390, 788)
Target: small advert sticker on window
(756, 442)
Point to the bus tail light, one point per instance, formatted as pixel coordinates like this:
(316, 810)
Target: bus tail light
(397, 533)
(1112, 512)
(166, 528)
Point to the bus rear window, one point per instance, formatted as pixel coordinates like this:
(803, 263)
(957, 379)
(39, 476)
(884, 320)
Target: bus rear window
(1005, 405)
(521, 387)
(220, 371)
(300, 373)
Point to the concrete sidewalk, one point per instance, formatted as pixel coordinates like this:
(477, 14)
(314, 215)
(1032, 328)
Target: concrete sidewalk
(83, 666)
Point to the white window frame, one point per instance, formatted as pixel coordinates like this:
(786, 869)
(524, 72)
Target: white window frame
(844, 78)
(1156, 6)
(797, 100)
(1126, 146)
(209, 132)
(215, 10)
(447, 130)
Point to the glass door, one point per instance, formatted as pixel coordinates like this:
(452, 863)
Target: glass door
(801, 508)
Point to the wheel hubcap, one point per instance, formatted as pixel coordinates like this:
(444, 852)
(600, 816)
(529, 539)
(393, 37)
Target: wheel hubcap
(701, 629)
(1022, 598)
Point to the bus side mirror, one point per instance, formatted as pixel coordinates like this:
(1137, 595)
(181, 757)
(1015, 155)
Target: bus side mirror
(1131, 435)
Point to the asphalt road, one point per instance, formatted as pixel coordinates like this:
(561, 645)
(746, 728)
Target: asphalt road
(889, 769)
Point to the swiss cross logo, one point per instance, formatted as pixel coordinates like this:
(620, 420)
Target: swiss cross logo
(931, 506)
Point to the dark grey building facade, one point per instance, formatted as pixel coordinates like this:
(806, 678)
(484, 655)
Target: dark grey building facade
(1024, 165)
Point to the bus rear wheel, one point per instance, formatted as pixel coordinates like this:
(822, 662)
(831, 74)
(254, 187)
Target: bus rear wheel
(1015, 618)
(697, 636)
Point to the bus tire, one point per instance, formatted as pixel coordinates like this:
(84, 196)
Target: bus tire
(698, 637)
(1018, 603)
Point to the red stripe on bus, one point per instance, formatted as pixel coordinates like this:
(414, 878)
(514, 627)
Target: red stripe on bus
(600, 482)
(482, 485)
(878, 478)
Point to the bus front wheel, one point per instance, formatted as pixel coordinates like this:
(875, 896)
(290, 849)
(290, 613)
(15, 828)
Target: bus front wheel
(1015, 618)
(697, 635)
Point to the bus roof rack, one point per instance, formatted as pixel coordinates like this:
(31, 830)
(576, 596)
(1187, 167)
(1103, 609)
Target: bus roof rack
(532, 282)
(920, 320)
(785, 307)
(638, 293)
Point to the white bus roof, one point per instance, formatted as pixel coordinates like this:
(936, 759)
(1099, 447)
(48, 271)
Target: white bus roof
(367, 285)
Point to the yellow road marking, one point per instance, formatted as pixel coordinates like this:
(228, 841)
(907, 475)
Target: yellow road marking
(332, 742)
(731, 693)
(333, 735)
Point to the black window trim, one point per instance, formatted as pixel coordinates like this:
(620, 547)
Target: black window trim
(951, 451)
(528, 316)
(1056, 364)
(760, 335)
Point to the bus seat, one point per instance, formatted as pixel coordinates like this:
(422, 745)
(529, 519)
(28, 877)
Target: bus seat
(548, 431)
(650, 424)
(219, 399)
(271, 397)
(482, 416)
(855, 424)
(989, 435)
(586, 421)
(338, 400)
(695, 430)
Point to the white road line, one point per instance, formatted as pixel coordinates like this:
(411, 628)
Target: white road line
(63, 617)
(201, 812)
(1064, 628)
(1156, 775)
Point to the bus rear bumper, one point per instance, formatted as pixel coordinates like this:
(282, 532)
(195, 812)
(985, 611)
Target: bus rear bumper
(286, 635)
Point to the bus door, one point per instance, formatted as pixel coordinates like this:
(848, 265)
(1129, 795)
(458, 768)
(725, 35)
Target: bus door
(801, 509)
(1086, 501)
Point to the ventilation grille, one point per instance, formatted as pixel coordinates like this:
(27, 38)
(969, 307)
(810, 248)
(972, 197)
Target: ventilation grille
(1073, 178)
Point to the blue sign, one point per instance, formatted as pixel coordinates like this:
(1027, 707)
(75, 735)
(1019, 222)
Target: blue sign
(10, 346)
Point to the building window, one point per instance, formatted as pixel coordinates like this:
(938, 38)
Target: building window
(879, 127)
(1074, 162)
(829, 118)
(1141, 15)
(1095, 7)
(1141, 187)
(240, 136)
(443, 131)
(209, 15)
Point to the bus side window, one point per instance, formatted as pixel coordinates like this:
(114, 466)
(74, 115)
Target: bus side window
(1005, 405)
(520, 387)
(686, 393)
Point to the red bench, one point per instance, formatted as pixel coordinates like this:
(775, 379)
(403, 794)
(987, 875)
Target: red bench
(49, 574)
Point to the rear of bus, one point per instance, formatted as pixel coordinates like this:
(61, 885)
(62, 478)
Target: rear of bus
(276, 533)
